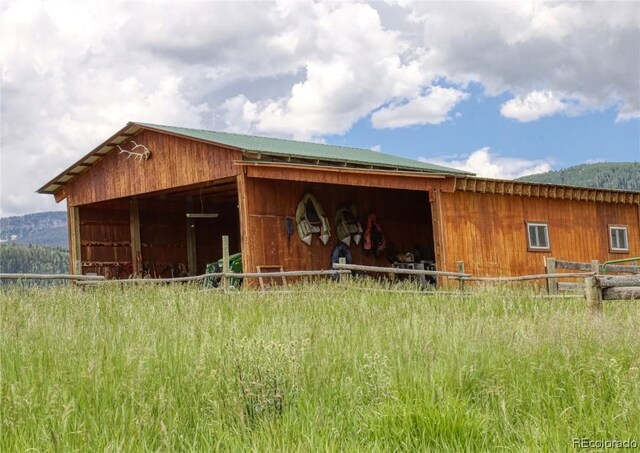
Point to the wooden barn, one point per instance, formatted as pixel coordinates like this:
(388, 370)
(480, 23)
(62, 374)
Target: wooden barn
(157, 199)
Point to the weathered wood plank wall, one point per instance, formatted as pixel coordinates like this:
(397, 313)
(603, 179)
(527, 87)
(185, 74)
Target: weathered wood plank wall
(405, 217)
(174, 162)
(488, 232)
(105, 239)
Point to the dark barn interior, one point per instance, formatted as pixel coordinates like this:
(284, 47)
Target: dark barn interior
(171, 242)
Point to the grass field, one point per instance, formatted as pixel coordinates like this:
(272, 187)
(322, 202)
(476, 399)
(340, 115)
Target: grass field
(318, 368)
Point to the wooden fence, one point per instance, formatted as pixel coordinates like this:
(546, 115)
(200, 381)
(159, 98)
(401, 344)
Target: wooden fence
(597, 287)
(610, 287)
(95, 278)
(98, 279)
(552, 265)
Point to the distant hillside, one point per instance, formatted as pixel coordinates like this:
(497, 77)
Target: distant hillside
(42, 228)
(33, 259)
(615, 175)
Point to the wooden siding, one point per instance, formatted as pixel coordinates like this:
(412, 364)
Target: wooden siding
(404, 216)
(487, 231)
(105, 240)
(174, 162)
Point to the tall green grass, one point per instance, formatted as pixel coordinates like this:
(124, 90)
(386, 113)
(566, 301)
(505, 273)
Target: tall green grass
(317, 368)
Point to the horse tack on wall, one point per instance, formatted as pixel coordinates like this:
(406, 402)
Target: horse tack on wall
(347, 224)
(312, 220)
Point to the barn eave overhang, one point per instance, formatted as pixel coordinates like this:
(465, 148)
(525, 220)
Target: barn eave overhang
(544, 190)
(89, 160)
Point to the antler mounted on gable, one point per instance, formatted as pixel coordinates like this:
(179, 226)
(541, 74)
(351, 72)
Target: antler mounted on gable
(139, 156)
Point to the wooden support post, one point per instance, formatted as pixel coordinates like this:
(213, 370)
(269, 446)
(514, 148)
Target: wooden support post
(552, 283)
(136, 245)
(460, 270)
(595, 267)
(435, 199)
(225, 261)
(75, 251)
(244, 218)
(594, 295)
(192, 257)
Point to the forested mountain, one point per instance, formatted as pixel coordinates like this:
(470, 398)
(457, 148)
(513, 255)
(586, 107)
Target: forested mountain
(43, 228)
(614, 175)
(33, 259)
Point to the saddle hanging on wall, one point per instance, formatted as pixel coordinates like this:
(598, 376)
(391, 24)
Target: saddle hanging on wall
(312, 220)
(347, 224)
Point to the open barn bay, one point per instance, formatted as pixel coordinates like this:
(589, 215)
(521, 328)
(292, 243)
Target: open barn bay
(317, 368)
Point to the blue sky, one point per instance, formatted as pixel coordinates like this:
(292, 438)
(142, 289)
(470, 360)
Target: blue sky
(560, 140)
(502, 89)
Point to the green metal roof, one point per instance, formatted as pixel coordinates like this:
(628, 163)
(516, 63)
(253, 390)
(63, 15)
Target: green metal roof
(306, 150)
(265, 149)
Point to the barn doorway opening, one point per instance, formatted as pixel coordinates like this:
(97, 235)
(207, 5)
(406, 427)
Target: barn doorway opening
(404, 217)
(153, 234)
(181, 231)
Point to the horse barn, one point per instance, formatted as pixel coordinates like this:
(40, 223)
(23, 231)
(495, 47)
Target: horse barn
(155, 200)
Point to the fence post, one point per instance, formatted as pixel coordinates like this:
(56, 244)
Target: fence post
(594, 295)
(595, 267)
(552, 283)
(225, 262)
(342, 277)
(460, 270)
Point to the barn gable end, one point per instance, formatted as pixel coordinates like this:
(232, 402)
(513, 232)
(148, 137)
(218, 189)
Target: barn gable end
(173, 162)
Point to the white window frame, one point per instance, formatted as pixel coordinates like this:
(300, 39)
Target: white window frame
(546, 236)
(626, 238)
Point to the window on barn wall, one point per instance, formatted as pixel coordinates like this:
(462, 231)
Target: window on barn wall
(618, 238)
(538, 236)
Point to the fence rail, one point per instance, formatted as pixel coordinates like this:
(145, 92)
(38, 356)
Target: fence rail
(52, 277)
(609, 287)
(552, 265)
(396, 270)
(521, 278)
(597, 287)
(574, 265)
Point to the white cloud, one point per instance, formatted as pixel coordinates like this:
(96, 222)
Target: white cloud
(627, 114)
(353, 66)
(533, 106)
(376, 148)
(589, 51)
(432, 108)
(488, 165)
(72, 73)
